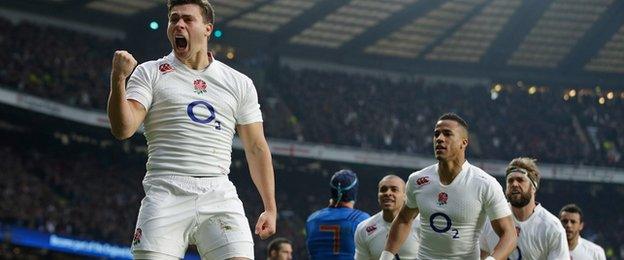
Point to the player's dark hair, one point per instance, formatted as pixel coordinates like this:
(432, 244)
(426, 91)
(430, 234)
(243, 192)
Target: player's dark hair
(343, 186)
(276, 244)
(572, 208)
(208, 12)
(456, 118)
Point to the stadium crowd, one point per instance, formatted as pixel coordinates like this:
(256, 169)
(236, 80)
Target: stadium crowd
(344, 109)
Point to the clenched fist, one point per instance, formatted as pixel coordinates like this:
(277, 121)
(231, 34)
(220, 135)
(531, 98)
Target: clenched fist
(123, 64)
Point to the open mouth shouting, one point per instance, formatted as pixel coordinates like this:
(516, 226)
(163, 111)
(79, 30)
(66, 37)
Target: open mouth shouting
(181, 43)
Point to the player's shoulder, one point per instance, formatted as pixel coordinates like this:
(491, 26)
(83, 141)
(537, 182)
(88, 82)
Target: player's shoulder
(428, 172)
(156, 67)
(315, 214)
(591, 246)
(369, 225)
(358, 215)
(368, 221)
(478, 177)
(229, 72)
(548, 220)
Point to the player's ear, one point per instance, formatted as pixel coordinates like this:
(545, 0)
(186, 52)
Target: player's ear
(581, 227)
(464, 143)
(209, 28)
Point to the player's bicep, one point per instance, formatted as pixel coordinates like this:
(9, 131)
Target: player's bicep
(251, 134)
(256, 147)
(139, 112)
(502, 225)
(407, 214)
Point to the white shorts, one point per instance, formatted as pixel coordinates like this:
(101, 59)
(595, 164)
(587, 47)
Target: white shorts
(182, 210)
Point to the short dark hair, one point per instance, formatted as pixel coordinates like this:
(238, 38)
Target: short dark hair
(276, 243)
(208, 11)
(456, 118)
(572, 208)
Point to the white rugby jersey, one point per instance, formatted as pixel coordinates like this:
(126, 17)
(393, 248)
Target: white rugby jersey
(372, 233)
(192, 114)
(453, 215)
(541, 236)
(587, 250)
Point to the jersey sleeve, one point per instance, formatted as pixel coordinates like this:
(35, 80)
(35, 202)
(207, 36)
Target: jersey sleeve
(361, 250)
(410, 194)
(494, 200)
(139, 87)
(248, 110)
(600, 253)
(558, 244)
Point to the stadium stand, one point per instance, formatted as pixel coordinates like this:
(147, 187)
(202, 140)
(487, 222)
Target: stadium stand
(371, 113)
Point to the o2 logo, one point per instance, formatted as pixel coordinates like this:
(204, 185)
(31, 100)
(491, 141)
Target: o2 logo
(209, 107)
(447, 224)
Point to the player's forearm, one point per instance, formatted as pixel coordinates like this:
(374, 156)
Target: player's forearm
(119, 111)
(261, 170)
(505, 245)
(399, 231)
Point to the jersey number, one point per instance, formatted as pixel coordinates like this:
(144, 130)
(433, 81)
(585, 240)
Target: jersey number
(211, 110)
(336, 230)
(447, 226)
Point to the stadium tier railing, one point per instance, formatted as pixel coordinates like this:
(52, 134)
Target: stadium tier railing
(324, 151)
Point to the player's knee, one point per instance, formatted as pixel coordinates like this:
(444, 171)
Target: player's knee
(151, 255)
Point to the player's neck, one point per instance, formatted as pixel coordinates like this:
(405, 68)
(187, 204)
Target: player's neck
(341, 204)
(573, 242)
(389, 215)
(197, 61)
(525, 212)
(449, 169)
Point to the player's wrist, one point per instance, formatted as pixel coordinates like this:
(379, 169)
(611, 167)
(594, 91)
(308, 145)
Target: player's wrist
(387, 255)
(272, 210)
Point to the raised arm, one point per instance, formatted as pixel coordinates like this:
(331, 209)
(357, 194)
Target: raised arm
(125, 115)
(261, 170)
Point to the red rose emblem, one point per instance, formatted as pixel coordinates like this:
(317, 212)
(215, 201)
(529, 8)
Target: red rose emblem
(200, 86)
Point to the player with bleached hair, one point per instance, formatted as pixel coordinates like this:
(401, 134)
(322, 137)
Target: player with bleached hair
(371, 234)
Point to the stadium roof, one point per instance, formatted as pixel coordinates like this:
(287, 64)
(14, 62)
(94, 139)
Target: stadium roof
(568, 38)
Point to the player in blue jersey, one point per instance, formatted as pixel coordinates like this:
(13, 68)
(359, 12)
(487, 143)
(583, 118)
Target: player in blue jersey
(331, 230)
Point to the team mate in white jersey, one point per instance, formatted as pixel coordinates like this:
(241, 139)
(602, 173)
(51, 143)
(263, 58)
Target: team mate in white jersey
(191, 105)
(453, 198)
(571, 217)
(540, 235)
(371, 234)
